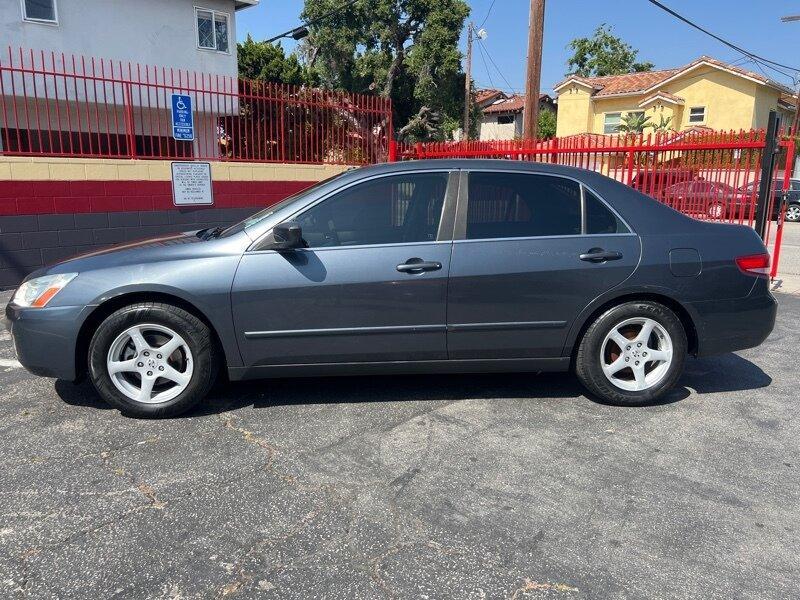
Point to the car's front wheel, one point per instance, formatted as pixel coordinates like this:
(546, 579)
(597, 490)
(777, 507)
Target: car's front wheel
(632, 354)
(793, 213)
(152, 360)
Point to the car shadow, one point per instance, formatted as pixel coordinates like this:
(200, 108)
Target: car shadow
(718, 374)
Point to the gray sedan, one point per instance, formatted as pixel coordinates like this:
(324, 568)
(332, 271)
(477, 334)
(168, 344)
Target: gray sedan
(427, 266)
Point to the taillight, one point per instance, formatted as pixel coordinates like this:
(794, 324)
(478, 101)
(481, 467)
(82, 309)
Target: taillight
(755, 264)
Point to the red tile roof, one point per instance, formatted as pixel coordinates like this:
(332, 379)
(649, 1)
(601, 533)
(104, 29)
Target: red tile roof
(631, 83)
(662, 94)
(482, 96)
(513, 104)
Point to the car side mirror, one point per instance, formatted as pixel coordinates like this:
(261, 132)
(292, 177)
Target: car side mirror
(287, 236)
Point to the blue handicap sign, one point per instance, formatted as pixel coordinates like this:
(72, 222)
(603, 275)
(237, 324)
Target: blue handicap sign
(182, 117)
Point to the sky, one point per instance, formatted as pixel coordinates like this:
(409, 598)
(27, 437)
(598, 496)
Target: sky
(659, 37)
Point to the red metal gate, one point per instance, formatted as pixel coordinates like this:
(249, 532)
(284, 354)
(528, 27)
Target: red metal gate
(708, 175)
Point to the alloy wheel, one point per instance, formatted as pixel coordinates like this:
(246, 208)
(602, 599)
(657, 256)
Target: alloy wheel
(793, 213)
(636, 354)
(150, 363)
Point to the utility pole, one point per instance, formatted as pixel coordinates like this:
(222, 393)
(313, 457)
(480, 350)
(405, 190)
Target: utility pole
(796, 122)
(530, 117)
(468, 84)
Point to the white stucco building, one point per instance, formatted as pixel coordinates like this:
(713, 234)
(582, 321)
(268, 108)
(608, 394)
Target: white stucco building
(190, 36)
(198, 35)
(501, 117)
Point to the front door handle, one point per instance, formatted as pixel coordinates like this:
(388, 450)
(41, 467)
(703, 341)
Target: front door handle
(417, 265)
(598, 255)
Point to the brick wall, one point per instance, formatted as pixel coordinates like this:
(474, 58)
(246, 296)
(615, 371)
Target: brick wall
(51, 209)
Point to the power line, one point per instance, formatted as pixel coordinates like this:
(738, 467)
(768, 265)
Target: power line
(488, 12)
(491, 60)
(301, 31)
(485, 65)
(720, 39)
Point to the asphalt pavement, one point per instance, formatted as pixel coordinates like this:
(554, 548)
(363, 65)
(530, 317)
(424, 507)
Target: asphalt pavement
(480, 486)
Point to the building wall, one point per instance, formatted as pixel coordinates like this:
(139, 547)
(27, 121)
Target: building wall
(490, 129)
(53, 208)
(729, 100)
(153, 32)
(575, 111)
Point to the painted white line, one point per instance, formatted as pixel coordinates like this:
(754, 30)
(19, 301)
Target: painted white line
(9, 364)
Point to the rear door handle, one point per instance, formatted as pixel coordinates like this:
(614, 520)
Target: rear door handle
(598, 255)
(417, 265)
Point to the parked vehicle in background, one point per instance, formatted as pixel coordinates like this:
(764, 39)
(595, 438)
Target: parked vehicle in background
(713, 199)
(792, 198)
(656, 182)
(427, 266)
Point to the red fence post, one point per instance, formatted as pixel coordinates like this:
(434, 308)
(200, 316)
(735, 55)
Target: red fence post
(392, 151)
(130, 130)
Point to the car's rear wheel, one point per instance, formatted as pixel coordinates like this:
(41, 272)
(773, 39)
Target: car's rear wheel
(152, 360)
(632, 354)
(793, 213)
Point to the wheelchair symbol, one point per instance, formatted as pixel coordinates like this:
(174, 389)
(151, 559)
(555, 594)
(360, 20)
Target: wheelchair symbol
(180, 104)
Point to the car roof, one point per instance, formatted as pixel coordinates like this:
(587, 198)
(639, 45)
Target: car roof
(471, 164)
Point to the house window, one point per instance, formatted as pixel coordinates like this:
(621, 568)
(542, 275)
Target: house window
(505, 119)
(611, 122)
(212, 30)
(697, 114)
(43, 11)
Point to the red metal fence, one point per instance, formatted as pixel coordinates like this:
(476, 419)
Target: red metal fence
(56, 104)
(709, 175)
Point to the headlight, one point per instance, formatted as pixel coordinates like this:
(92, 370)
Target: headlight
(37, 292)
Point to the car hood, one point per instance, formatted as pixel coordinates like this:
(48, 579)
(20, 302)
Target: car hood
(156, 249)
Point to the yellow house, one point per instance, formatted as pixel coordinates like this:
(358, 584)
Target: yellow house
(705, 93)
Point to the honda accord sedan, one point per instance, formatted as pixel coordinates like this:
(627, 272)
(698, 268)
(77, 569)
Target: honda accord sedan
(447, 266)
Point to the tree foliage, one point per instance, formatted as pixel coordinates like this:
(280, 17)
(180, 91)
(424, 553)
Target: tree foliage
(603, 54)
(546, 125)
(403, 49)
(268, 62)
(634, 122)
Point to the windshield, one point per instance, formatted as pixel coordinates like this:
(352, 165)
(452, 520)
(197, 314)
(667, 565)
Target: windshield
(272, 209)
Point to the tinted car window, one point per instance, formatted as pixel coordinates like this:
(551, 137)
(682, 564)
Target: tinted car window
(599, 218)
(388, 210)
(507, 205)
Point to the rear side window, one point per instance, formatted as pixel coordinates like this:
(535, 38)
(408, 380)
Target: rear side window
(599, 218)
(508, 205)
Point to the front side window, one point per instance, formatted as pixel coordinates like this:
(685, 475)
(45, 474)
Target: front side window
(39, 10)
(390, 210)
(611, 122)
(509, 205)
(212, 30)
(697, 114)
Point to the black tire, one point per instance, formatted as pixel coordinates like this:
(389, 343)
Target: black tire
(588, 366)
(197, 335)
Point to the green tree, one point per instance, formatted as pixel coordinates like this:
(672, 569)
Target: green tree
(603, 54)
(406, 50)
(546, 127)
(663, 124)
(268, 62)
(634, 122)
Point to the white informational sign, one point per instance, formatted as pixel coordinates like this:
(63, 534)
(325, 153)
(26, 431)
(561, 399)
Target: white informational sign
(191, 184)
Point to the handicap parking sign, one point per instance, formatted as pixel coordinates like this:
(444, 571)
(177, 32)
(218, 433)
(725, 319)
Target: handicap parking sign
(182, 117)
